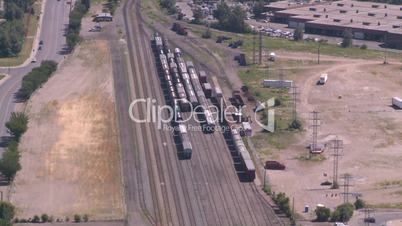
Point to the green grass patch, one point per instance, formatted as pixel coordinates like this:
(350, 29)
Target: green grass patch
(2, 76)
(311, 158)
(28, 41)
(388, 183)
(397, 205)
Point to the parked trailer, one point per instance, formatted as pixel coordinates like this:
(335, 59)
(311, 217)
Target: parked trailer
(182, 67)
(216, 91)
(247, 162)
(274, 165)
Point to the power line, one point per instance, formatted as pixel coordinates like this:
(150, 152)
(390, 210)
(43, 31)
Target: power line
(314, 124)
(295, 94)
(346, 185)
(337, 147)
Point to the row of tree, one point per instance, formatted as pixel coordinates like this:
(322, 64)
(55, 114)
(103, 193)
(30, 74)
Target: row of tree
(7, 212)
(74, 26)
(230, 18)
(342, 213)
(12, 32)
(395, 2)
(34, 79)
(283, 203)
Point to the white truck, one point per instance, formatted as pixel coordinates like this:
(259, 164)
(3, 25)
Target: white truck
(323, 79)
(397, 102)
(272, 56)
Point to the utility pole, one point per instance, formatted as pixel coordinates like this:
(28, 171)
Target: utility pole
(260, 48)
(337, 146)
(254, 34)
(314, 124)
(318, 52)
(346, 185)
(295, 94)
(385, 57)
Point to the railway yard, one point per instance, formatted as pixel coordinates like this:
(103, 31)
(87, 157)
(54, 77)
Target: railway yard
(172, 188)
(158, 125)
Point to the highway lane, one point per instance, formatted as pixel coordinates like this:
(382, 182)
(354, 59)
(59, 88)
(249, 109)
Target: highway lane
(55, 19)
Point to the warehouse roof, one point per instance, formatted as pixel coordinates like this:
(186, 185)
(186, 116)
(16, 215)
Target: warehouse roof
(347, 13)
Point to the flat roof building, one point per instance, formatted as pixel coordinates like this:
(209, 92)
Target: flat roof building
(366, 20)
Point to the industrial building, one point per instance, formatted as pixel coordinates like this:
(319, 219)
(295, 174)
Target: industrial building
(366, 20)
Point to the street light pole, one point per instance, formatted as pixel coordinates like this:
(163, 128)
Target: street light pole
(318, 53)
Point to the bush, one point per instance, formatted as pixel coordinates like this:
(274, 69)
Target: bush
(296, 124)
(67, 219)
(7, 211)
(85, 218)
(359, 204)
(34, 79)
(36, 219)
(322, 214)
(77, 218)
(44, 218)
(207, 34)
(364, 46)
(342, 213)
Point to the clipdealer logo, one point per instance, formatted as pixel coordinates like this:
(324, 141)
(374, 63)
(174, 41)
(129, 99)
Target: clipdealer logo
(164, 114)
(268, 122)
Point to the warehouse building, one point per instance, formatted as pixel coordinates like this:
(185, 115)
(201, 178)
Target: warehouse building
(366, 20)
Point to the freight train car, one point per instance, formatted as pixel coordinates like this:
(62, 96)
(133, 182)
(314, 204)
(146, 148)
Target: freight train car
(182, 68)
(185, 140)
(209, 121)
(246, 161)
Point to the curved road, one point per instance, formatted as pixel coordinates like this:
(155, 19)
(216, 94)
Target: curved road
(55, 20)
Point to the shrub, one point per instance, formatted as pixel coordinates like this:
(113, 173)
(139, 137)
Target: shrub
(342, 213)
(347, 40)
(36, 219)
(298, 34)
(67, 219)
(10, 162)
(34, 79)
(359, 204)
(77, 218)
(322, 214)
(44, 218)
(364, 46)
(296, 124)
(207, 34)
(85, 218)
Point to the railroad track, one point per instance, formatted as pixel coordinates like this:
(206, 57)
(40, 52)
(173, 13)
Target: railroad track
(180, 192)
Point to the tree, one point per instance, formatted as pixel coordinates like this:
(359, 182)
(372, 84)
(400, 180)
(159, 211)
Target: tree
(298, 34)
(86, 3)
(44, 218)
(222, 12)
(207, 34)
(322, 214)
(170, 5)
(359, 204)
(258, 9)
(5, 223)
(17, 125)
(342, 213)
(77, 218)
(13, 12)
(85, 218)
(198, 16)
(347, 40)
(10, 163)
(35, 219)
(7, 211)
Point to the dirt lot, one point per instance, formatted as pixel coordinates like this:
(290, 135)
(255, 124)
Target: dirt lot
(70, 154)
(355, 106)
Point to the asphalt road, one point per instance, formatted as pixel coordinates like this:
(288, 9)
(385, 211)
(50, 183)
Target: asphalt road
(381, 217)
(52, 33)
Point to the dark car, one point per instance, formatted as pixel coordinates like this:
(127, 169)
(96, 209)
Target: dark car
(369, 220)
(41, 42)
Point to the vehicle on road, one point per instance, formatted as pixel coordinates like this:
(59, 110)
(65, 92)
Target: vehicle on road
(33, 60)
(369, 220)
(41, 42)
